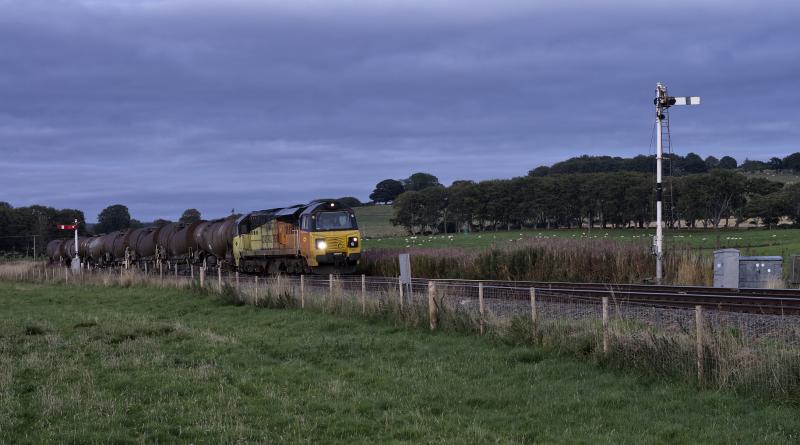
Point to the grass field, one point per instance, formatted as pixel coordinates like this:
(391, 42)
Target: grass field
(751, 241)
(784, 176)
(374, 221)
(106, 365)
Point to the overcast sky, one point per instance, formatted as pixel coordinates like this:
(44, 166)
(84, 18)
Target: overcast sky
(167, 104)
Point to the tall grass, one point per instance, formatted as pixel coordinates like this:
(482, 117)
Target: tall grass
(547, 260)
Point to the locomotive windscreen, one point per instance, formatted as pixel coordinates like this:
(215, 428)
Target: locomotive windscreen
(335, 221)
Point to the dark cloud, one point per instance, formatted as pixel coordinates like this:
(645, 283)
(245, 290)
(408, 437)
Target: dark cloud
(164, 105)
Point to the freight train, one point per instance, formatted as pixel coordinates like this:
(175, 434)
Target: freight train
(319, 237)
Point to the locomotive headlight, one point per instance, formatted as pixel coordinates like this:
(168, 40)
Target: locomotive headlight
(321, 244)
(352, 241)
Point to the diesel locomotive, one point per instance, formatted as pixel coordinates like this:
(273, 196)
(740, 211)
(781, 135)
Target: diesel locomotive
(319, 237)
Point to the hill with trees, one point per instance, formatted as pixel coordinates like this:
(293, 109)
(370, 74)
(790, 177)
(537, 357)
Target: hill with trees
(602, 191)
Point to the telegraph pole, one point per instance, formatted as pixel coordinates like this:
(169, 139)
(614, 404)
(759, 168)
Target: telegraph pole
(662, 103)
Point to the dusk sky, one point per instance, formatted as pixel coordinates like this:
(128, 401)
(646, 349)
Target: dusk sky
(163, 105)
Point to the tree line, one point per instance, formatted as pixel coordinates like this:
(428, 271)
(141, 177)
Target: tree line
(719, 197)
(21, 225)
(676, 165)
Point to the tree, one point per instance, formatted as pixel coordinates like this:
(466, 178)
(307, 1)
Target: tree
(776, 163)
(541, 170)
(711, 162)
(462, 203)
(114, 217)
(768, 208)
(408, 211)
(387, 191)
(350, 201)
(420, 181)
(754, 166)
(161, 222)
(711, 197)
(727, 163)
(761, 186)
(434, 202)
(693, 163)
(791, 199)
(190, 216)
(791, 162)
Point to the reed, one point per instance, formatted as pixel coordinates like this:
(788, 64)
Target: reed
(546, 260)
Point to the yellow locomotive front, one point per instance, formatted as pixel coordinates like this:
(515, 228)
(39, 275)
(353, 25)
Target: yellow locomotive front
(329, 237)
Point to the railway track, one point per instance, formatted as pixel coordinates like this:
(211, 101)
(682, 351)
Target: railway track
(758, 301)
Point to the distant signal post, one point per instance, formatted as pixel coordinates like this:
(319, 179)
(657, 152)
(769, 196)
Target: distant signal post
(662, 103)
(76, 262)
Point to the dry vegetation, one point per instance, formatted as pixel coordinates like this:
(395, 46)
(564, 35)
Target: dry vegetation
(602, 261)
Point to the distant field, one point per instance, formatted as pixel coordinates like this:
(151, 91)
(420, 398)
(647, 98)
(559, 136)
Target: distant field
(374, 221)
(113, 365)
(786, 177)
(751, 241)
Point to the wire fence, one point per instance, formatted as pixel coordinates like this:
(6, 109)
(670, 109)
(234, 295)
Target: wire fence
(705, 345)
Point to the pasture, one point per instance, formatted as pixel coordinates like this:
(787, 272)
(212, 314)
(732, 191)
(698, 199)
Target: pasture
(374, 221)
(141, 364)
(750, 241)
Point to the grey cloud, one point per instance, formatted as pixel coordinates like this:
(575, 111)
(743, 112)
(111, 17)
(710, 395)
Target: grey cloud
(164, 105)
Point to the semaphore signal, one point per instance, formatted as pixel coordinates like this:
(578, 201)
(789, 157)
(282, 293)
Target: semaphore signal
(663, 102)
(76, 263)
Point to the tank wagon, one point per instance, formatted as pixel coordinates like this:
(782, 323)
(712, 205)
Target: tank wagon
(56, 250)
(319, 237)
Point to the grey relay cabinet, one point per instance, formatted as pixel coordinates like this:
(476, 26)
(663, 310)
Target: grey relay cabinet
(734, 271)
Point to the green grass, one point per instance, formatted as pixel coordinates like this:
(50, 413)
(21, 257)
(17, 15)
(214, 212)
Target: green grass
(751, 241)
(379, 233)
(374, 221)
(107, 365)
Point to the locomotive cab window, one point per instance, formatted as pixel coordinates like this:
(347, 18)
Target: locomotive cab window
(305, 223)
(335, 221)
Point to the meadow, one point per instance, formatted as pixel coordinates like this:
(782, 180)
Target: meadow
(143, 364)
(750, 241)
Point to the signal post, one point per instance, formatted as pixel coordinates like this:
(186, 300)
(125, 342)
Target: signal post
(662, 103)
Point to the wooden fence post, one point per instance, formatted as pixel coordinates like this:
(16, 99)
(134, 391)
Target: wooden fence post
(433, 313)
(219, 278)
(480, 306)
(176, 274)
(191, 271)
(66, 275)
(605, 325)
(330, 285)
(145, 267)
(302, 291)
(237, 280)
(202, 277)
(255, 282)
(363, 294)
(698, 327)
(533, 310)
